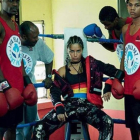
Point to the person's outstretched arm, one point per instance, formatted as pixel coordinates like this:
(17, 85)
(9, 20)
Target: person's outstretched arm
(48, 80)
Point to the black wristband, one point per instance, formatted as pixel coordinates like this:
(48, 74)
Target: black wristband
(119, 75)
(107, 88)
(27, 80)
(60, 110)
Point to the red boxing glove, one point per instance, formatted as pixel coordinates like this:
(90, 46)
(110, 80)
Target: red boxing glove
(14, 98)
(29, 93)
(136, 90)
(13, 95)
(117, 89)
(3, 105)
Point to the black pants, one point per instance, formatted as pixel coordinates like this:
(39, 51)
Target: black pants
(132, 116)
(81, 110)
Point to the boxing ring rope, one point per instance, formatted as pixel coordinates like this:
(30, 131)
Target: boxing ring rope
(117, 121)
(39, 85)
(89, 39)
(27, 124)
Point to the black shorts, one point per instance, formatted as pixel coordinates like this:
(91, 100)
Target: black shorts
(132, 112)
(12, 118)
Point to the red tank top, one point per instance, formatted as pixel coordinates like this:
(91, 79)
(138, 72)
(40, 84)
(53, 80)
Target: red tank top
(132, 60)
(128, 20)
(11, 56)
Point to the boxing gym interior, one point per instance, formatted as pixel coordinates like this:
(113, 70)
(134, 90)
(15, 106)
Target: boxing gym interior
(60, 17)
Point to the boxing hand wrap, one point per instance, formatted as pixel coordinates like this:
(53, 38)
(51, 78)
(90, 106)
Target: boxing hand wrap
(12, 95)
(136, 90)
(93, 30)
(29, 93)
(117, 89)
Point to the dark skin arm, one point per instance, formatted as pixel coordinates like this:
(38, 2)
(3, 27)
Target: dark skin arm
(108, 46)
(1, 76)
(2, 34)
(118, 23)
(23, 69)
(48, 81)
